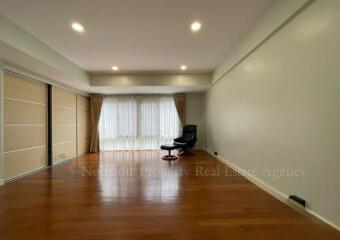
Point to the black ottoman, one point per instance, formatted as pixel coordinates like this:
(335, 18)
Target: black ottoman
(169, 147)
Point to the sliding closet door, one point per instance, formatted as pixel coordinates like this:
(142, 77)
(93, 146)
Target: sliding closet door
(64, 124)
(25, 124)
(83, 123)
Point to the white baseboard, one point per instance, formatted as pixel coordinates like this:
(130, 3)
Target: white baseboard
(63, 161)
(33, 171)
(24, 174)
(272, 191)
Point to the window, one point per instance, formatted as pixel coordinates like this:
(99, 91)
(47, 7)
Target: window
(137, 122)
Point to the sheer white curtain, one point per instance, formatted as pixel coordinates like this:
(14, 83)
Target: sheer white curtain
(137, 122)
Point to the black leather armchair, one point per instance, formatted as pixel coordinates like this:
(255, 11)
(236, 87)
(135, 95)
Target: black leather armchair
(188, 138)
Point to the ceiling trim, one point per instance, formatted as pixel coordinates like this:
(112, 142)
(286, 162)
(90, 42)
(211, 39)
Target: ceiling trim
(171, 80)
(24, 73)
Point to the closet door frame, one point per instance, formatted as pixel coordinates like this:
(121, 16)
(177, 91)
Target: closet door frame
(49, 126)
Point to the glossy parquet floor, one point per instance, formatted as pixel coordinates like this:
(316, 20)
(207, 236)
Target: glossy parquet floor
(136, 195)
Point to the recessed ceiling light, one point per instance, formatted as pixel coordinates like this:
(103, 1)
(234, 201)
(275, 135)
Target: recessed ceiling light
(115, 68)
(77, 27)
(183, 67)
(196, 26)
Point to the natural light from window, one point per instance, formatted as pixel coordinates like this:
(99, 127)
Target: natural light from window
(137, 122)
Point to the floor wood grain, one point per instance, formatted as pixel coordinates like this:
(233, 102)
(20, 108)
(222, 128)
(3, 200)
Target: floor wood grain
(137, 195)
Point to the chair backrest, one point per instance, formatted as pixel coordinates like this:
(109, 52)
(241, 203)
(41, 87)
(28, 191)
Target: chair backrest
(189, 134)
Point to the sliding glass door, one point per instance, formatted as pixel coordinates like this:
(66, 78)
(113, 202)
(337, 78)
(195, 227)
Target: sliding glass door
(137, 122)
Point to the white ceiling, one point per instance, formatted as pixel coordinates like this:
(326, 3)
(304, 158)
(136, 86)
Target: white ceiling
(138, 35)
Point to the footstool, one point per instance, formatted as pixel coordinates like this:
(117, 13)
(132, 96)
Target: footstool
(169, 147)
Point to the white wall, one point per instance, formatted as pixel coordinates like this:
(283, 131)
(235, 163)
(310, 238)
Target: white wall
(280, 108)
(279, 13)
(194, 114)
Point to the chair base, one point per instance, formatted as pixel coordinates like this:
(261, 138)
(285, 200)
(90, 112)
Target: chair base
(169, 157)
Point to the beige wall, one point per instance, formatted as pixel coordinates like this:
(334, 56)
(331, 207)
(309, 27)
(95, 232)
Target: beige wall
(194, 114)
(64, 121)
(2, 165)
(25, 125)
(279, 110)
(70, 124)
(83, 123)
(25, 121)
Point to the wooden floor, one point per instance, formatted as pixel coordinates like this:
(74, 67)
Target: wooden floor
(136, 195)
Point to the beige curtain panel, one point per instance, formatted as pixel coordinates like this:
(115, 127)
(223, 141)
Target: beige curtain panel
(96, 102)
(180, 106)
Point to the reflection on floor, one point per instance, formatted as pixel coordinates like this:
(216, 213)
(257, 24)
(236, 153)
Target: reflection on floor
(137, 195)
(137, 174)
